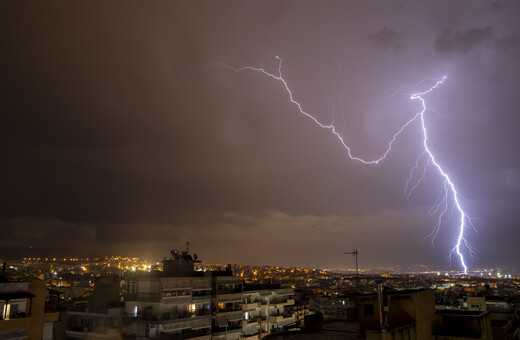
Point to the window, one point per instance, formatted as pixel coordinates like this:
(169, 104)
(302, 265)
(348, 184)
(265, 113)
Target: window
(183, 292)
(169, 292)
(201, 292)
(14, 309)
(131, 287)
(368, 309)
(175, 292)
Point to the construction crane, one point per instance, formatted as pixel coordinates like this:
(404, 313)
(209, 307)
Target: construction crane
(355, 253)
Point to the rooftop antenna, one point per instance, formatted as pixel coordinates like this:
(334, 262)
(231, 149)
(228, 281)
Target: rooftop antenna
(355, 253)
(187, 247)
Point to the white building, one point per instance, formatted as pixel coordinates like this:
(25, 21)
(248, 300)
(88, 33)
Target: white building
(269, 308)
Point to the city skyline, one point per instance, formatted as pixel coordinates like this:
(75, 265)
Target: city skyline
(121, 135)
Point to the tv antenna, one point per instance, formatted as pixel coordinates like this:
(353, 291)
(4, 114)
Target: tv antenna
(355, 253)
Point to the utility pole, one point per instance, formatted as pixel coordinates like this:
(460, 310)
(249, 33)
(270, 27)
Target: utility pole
(355, 253)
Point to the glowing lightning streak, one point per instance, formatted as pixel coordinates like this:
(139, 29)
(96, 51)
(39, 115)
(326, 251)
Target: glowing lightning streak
(431, 159)
(447, 180)
(330, 127)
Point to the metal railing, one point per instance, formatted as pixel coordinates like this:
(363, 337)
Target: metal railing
(173, 316)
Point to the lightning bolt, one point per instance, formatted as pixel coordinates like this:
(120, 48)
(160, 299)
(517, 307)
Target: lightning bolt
(448, 187)
(448, 190)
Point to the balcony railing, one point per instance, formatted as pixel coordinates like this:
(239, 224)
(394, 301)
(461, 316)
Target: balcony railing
(283, 314)
(230, 329)
(201, 294)
(74, 328)
(236, 290)
(229, 309)
(174, 316)
(90, 309)
(253, 336)
(15, 316)
(288, 301)
(250, 322)
(84, 329)
(251, 305)
(143, 296)
(198, 332)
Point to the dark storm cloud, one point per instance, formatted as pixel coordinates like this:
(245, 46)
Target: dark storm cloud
(117, 135)
(48, 232)
(290, 237)
(461, 42)
(388, 39)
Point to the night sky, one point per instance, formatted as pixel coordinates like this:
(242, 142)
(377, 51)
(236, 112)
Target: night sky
(120, 134)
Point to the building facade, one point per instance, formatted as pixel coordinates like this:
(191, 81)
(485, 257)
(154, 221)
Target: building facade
(22, 311)
(182, 303)
(268, 309)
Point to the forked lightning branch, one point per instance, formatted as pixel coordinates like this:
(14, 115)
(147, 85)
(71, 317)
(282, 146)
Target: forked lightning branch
(448, 199)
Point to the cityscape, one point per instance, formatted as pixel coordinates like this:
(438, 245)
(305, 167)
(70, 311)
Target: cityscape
(259, 169)
(182, 297)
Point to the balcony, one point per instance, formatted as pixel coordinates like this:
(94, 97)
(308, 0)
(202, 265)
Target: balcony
(200, 337)
(101, 332)
(199, 334)
(15, 316)
(229, 331)
(252, 305)
(230, 312)
(174, 317)
(250, 337)
(143, 297)
(198, 295)
(250, 322)
(222, 290)
(275, 318)
(282, 302)
(231, 297)
(100, 311)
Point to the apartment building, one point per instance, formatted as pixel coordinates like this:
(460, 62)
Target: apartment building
(22, 311)
(402, 314)
(183, 303)
(269, 308)
(100, 319)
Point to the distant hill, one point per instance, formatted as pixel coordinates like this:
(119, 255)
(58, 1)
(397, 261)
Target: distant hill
(15, 253)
